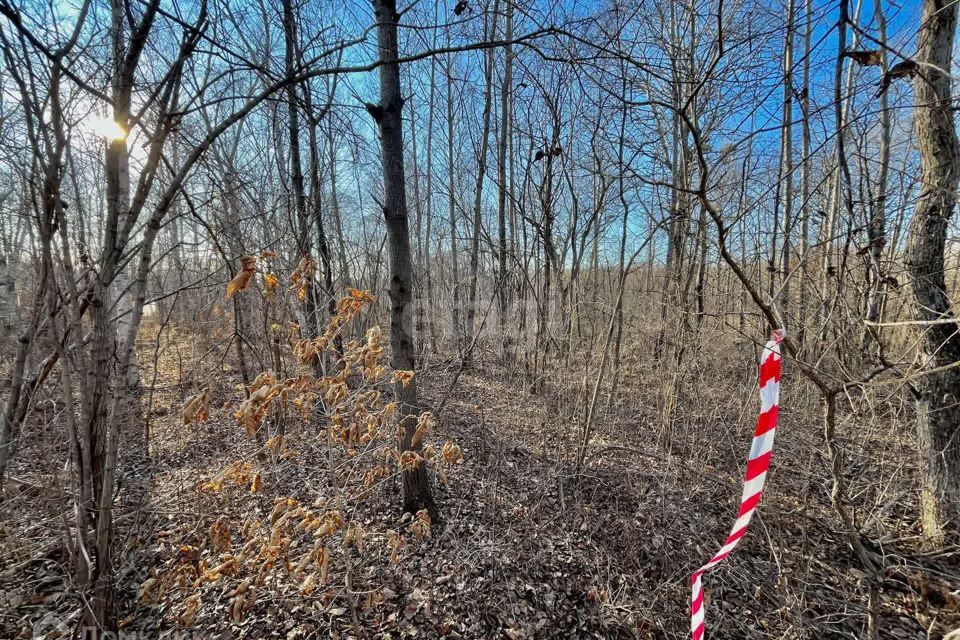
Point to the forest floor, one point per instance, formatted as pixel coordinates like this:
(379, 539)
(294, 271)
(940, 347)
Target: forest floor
(528, 547)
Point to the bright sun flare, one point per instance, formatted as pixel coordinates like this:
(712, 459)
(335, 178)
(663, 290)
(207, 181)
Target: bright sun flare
(106, 127)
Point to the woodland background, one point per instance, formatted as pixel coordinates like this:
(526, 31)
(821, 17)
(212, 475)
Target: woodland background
(349, 319)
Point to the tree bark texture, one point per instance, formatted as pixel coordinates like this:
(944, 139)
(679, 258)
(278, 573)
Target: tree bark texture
(938, 403)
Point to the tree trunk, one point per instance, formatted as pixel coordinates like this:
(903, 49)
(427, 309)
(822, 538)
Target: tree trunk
(877, 229)
(297, 189)
(335, 211)
(421, 310)
(701, 285)
(624, 227)
(787, 156)
(505, 132)
(481, 173)
(416, 487)
(316, 210)
(938, 403)
(842, 105)
(680, 168)
(103, 429)
(805, 171)
(9, 320)
(452, 206)
(428, 264)
(543, 341)
(235, 247)
(21, 392)
(102, 426)
(118, 170)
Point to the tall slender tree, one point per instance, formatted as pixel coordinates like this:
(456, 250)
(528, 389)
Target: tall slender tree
(787, 155)
(388, 116)
(877, 227)
(489, 33)
(938, 400)
(504, 187)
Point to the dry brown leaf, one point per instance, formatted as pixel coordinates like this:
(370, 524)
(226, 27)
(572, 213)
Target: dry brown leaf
(227, 567)
(257, 484)
(403, 377)
(332, 521)
(196, 408)
(421, 525)
(242, 587)
(270, 282)
(396, 542)
(410, 460)
(304, 271)
(324, 565)
(147, 591)
(451, 453)
(242, 280)
(190, 608)
(423, 425)
(309, 585)
(354, 536)
(220, 538)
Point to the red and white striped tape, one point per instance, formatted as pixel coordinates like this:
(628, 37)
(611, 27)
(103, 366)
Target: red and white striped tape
(757, 465)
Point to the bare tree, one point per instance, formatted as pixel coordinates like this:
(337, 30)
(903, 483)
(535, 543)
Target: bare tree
(388, 116)
(938, 400)
(505, 185)
(877, 227)
(489, 32)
